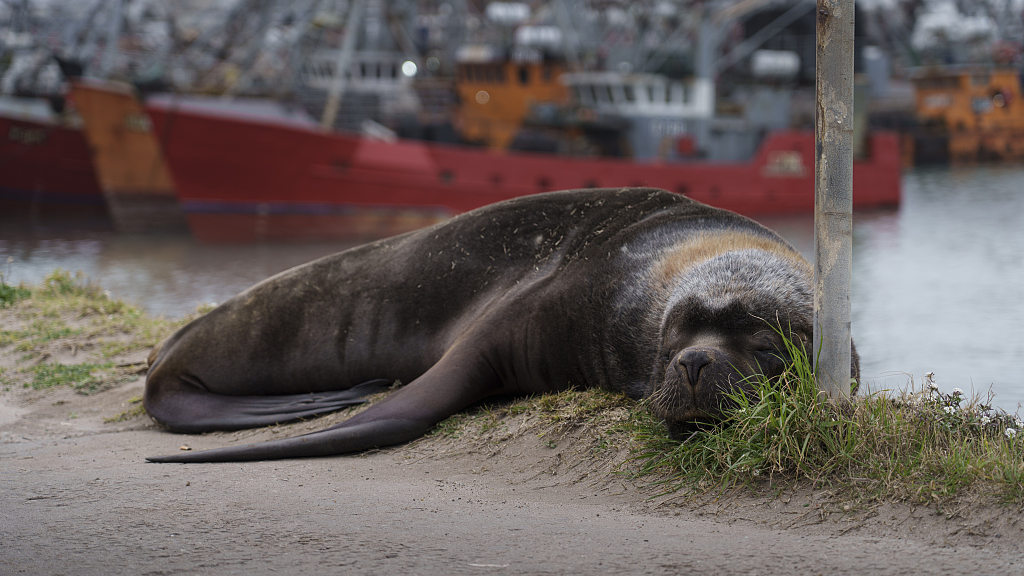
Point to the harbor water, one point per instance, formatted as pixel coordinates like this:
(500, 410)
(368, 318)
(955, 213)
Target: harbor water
(937, 283)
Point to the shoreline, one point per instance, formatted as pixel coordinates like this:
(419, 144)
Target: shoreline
(531, 494)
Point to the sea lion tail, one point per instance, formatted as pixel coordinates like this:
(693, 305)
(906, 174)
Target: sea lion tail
(339, 439)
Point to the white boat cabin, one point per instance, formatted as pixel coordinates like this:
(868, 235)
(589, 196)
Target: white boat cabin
(641, 94)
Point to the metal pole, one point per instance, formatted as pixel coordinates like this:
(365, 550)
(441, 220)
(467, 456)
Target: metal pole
(113, 39)
(341, 65)
(570, 41)
(833, 195)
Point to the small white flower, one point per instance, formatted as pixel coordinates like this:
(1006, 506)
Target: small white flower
(957, 392)
(985, 420)
(1018, 423)
(1011, 433)
(949, 409)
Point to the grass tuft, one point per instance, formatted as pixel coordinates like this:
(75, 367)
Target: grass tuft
(81, 377)
(916, 446)
(68, 331)
(66, 310)
(602, 414)
(9, 295)
(135, 409)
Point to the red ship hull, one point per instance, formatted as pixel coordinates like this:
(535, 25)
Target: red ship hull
(242, 180)
(47, 167)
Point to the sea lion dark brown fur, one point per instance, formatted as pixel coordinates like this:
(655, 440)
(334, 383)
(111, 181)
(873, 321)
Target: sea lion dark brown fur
(639, 291)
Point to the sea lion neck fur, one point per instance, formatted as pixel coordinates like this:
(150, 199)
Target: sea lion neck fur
(769, 285)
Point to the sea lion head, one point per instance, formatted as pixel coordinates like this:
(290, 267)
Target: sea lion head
(723, 325)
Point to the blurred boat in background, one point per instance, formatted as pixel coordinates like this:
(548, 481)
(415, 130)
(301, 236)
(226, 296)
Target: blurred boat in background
(266, 120)
(252, 178)
(45, 164)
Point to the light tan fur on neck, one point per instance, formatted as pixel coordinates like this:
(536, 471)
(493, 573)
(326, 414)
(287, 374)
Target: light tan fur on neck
(707, 245)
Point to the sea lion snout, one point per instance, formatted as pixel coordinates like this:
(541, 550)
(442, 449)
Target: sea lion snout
(691, 361)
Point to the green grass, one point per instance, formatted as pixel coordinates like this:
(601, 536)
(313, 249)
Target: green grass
(135, 408)
(81, 377)
(9, 295)
(67, 309)
(68, 331)
(904, 445)
(554, 410)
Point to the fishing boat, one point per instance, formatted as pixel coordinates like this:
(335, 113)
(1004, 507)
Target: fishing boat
(129, 163)
(45, 164)
(968, 114)
(244, 177)
(255, 169)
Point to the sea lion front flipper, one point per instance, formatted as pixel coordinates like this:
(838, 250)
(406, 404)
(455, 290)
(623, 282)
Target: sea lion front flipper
(408, 413)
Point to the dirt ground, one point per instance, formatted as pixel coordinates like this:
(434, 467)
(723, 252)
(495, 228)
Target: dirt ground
(77, 498)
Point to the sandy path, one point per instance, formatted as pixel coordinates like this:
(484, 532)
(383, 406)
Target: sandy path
(77, 498)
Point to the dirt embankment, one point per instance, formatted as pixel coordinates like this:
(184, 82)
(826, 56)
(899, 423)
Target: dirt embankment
(519, 493)
(79, 499)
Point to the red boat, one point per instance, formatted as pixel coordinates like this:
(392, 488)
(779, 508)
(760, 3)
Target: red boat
(46, 167)
(243, 178)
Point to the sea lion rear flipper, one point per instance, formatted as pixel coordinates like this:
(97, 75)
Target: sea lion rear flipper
(192, 409)
(327, 442)
(408, 413)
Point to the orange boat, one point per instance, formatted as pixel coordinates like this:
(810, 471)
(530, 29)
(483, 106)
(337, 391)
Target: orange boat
(968, 114)
(129, 164)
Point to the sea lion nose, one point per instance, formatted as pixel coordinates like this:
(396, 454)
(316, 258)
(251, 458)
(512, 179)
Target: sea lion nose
(692, 361)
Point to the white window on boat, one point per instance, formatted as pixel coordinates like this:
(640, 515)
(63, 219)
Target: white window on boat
(629, 92)
(677, 94)
(614, 93)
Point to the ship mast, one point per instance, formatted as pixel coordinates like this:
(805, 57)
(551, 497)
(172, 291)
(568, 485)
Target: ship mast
(342, 64)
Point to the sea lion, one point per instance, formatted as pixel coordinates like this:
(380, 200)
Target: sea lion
(634, 290)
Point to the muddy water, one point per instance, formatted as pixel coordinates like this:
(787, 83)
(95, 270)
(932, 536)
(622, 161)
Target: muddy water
(938, 283)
